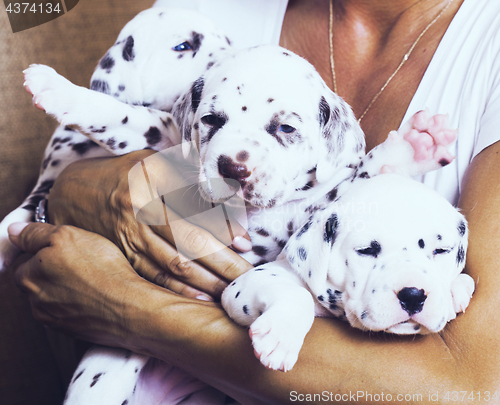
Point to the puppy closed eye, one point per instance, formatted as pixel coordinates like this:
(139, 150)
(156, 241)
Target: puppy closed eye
(441, 251)
(185, 46)
(214, 121)
(373, 250)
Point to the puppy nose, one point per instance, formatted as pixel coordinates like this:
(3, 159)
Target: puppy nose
(412, 299)
(228, 169)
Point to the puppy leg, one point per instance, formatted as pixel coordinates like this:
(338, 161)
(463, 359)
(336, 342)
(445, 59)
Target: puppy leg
(419, 146)
(106, 376)
(117, 127)
(279, 310)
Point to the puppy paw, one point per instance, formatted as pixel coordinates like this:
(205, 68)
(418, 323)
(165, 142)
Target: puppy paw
(462, 289)
(419, 146)
(430, 137)
(277, 340)
(51, 92)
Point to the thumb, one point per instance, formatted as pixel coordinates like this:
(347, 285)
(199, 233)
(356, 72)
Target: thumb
(30, 236)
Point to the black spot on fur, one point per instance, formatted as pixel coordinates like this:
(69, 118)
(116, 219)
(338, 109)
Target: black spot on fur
(237, 294)
(259, 250)
(364, 314)
(95, 379)
(97, 131)
(313, 170)
(421, 243)
(331, 229)
(309, 185)
(439, 237)
(289, 228)
(460, 254)
(83, 147)
(332, 195)
(111, 143)
(444, 162)
(121, 87)
(125, 120)
(462, 228)
(324, 111)
(196, 91)
(100, 86)
(262, 232)
(302, 253)
(128, 49)
(304, 229)
(122, 145)
(153, 136)
(270, 100)
(364, 175)
(107, 62)
(78, 376)
(125, 402)
(196, 41)
(55, 163)
(281, 243)
(333, 297)
(245, 309)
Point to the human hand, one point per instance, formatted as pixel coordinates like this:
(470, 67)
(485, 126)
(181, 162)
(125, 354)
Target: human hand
(71, 275)
(93, 194)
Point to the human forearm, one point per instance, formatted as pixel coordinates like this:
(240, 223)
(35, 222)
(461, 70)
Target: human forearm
(335, 359)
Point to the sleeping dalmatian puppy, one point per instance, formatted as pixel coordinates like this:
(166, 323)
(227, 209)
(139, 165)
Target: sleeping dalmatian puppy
(155, 59)
(386, 255)
(296, 141)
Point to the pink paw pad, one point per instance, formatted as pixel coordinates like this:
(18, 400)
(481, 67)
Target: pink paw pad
(430, 137)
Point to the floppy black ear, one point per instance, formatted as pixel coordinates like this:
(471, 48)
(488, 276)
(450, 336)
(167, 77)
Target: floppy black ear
(342, 141)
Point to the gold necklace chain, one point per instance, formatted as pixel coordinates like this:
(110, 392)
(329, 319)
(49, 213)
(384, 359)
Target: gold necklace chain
(405, 57)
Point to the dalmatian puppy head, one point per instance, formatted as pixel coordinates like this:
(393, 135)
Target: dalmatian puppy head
(268, 128)
(389, 252)
(157, 56)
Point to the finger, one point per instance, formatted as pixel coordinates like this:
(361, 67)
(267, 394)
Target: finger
(197, 244)
(31, 237)
(24, 274)
(168, 260)
(151, 271)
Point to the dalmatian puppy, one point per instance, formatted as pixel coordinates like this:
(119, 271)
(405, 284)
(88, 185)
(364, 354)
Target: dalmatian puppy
(386, 255)
(155, 59)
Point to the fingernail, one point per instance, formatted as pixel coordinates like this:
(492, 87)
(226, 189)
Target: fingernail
(204, 297)
(242, 244)
(16, 228)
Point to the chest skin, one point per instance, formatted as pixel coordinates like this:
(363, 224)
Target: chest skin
(366, 55)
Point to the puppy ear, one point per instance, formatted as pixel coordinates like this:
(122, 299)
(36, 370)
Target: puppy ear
(342, 142)
(309, 249)
(184, 111)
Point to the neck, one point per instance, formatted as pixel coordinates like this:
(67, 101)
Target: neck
(376, 20)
